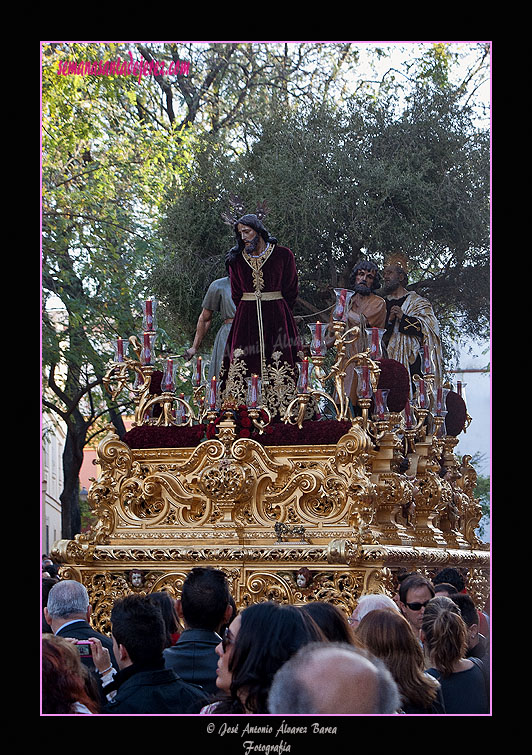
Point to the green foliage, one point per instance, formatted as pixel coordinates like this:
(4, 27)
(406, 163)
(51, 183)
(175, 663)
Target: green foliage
(105, 177)
(342, 183)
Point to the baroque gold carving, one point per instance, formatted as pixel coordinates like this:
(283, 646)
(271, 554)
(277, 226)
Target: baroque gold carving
(341, 509)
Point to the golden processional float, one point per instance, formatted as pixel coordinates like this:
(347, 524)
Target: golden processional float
(324, 504)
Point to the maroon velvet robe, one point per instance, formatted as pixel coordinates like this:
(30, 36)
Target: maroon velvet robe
(280, 332)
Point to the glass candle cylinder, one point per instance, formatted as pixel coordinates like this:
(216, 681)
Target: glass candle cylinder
(198, 373)
(363, 383)
(180, 411)
(380, 406)
(343, 302)
(149, 320)
(253, 391)
(120, 347)
(302, 383)
(147, 348)
(461, 390)
(375, 342)
(168, 380)
(422, 399)
(317, 345)
(409, 416)
(426, 360)
(440, 401)
(212, 393)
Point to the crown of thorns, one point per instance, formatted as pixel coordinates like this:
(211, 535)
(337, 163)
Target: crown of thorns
(237, 210)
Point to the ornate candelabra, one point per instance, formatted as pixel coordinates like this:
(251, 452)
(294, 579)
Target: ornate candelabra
(342, 337)
(344, 513)
(172, 408)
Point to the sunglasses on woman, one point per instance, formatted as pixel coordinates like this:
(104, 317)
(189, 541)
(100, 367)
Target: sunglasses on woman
(227, 640)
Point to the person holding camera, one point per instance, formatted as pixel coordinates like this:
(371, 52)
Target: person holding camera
(68, 613)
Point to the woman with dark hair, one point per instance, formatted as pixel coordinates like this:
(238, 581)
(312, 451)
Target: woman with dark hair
(332, 621)
(257, 643)
(67, 687)
(389, 636)
(167, 605)
(444, 636)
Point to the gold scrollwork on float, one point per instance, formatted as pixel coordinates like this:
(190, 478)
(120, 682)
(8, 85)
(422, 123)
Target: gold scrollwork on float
(287, 523)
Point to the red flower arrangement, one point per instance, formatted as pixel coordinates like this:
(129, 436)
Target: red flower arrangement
(175, 436)
(312, 433)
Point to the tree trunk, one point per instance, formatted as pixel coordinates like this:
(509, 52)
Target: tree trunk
(72, 461)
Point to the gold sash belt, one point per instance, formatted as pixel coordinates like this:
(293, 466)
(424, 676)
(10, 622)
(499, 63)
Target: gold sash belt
(262, 295)
(259, 297)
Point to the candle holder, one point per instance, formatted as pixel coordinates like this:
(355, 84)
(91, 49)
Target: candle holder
(317, 344)
(254, 392)
(380, 406)
(364, 388)
(168, 382)
(255, 417)
(422, 393)
(213, 394)
(198, 377)
(427, 359)
(149, 315)
(209, 416)
(438, 425)
(374, 336)
(303, 378)
(342, 304)
(302, 401)
(364, 404)
(147, 351)
(120, 350)
(440, 401)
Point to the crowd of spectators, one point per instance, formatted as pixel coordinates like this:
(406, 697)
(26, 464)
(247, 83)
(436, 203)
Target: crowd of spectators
(423, 651)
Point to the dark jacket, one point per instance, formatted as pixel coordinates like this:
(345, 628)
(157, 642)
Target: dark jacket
(194, 658)
(481, 649)
(82, 630)
(152, 691)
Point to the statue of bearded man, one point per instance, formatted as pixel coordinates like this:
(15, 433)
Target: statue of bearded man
(410, 322)
(367, 310)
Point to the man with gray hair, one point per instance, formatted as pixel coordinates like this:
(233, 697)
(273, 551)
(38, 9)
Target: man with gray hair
(333, 678)
(371, 602)
(68, 613)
